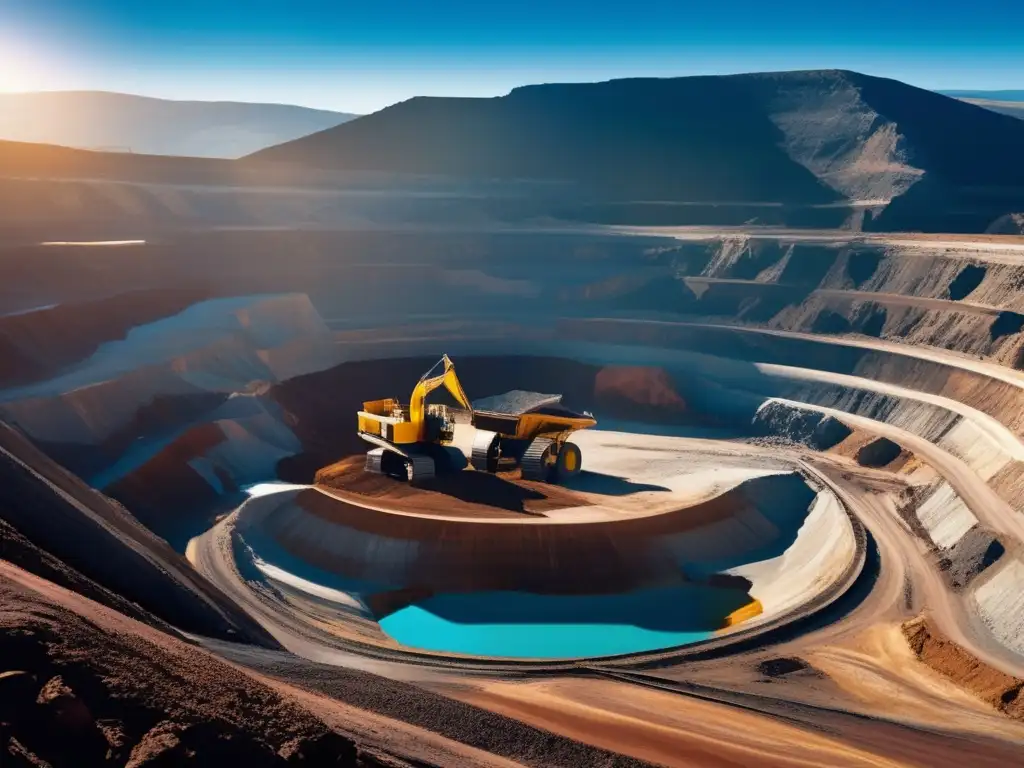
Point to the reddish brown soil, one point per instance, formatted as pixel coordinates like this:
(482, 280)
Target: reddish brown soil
(1002, 691)
(647, 387)
(37, 344)
(446, 713)
(81, 685)
(19, 551)
(466, 493)
(97, 537)
(167, 485)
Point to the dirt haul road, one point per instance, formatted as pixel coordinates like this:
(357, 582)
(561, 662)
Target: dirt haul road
(699, 697)
(693, 473)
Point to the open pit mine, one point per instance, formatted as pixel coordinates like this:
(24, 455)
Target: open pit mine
(798, 502)
(674, 495)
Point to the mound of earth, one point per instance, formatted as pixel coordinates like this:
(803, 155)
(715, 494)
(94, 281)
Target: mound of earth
(869, 450)
(976, 552)
(1002, 691)
(466, 493)
(17, 550)
(639, 393)
(879, 452)
(81, 685)
(801, 425)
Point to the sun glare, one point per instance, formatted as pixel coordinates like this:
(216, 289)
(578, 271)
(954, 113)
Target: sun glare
(23, 66)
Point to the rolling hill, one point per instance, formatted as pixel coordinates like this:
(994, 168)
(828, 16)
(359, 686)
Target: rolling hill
(1005, 95)
(1011, 108)
(124, 123)
(818, 138)
(1006, 102)
(815, 149)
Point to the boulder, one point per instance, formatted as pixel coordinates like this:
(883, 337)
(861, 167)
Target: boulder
(878, 452)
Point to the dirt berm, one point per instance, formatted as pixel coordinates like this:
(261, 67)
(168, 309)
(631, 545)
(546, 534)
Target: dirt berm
(758, 519)
(800, 425)
(96, 689)
(94, 535)
(1002, 691)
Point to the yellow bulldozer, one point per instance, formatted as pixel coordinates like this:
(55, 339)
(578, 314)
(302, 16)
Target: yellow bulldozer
(526, 429)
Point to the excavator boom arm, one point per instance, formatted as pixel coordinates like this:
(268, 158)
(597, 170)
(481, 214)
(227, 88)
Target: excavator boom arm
(448, 379)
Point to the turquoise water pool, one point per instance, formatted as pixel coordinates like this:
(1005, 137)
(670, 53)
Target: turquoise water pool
(529, 626)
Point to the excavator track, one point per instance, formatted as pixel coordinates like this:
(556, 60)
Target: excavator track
(485, 451)
(375, 461)
(533, 464)
(417, 469)
(420, 468)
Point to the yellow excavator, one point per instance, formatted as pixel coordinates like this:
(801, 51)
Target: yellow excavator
(408, 437)
(525, 429)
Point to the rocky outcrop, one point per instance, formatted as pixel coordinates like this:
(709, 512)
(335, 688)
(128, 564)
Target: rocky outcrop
(1002, 691)
(98, 538)
(73, 693)
(878, 452)
(801, 425)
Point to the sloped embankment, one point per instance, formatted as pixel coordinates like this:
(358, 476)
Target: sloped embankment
(82, 685)
(94, 535)
(758, 519)
(1002, 691)
(35, 345)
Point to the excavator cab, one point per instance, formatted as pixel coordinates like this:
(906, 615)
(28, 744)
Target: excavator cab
(412, 435)
(440, 427)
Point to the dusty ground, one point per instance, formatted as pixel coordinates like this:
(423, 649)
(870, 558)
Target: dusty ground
(912, 341)
(466, 494)
(81, 684)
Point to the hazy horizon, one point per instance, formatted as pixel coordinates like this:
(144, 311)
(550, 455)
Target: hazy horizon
(358, 60)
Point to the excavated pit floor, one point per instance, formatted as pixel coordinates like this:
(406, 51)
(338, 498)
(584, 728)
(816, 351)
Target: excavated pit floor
(669, 536)
(953, 412)
(613, 564)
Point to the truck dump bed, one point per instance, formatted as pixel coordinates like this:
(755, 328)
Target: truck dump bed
(501, 413)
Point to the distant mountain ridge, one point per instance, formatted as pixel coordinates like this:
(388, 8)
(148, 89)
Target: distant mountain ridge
(1005, 102)
(813, 138)
(813, 149)
(116, 122)
(1006, 95)
(1011, 108)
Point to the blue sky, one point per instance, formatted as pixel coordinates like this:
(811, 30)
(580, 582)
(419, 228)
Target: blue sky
(363, 56)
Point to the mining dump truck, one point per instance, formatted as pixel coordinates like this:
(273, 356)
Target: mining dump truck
(530, 430)
(414, 441)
